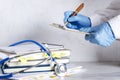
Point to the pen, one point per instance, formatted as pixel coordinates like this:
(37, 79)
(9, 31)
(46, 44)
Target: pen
(79, 8)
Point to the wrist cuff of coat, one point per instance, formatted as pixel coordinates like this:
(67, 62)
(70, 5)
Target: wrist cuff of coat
(115, 26)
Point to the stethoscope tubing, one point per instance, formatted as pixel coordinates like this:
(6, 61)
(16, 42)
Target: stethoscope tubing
(2, 62)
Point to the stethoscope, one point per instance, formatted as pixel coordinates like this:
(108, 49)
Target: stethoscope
(59, 69)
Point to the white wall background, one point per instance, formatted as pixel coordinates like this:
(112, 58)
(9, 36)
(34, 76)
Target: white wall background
(30, 19)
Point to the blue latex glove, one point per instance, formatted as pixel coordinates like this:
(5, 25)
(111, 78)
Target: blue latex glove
(101, 35)
(78, 22)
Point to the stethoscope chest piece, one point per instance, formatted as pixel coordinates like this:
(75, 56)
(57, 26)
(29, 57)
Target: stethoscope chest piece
(60, 69)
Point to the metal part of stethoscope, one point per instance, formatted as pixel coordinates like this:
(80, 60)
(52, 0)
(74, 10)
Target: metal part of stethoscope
(59, 69)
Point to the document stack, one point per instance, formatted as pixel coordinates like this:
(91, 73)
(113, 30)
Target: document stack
(32, 56)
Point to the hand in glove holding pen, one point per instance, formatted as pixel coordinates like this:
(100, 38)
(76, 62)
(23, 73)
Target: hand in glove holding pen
(78, 22)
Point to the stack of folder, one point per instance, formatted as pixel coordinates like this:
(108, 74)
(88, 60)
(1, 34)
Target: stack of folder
(33, 57)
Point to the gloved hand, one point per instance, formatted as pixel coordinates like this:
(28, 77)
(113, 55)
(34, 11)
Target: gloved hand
(78, 22)
(101, 35)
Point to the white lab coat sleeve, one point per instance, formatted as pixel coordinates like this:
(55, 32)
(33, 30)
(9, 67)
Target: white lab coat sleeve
(111, 14)
(115, 25)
